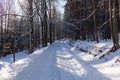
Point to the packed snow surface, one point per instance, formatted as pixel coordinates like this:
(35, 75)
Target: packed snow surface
(58, 61)
(109, 65)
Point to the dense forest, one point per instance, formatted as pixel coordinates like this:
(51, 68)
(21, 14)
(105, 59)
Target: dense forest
(93, 20)
(38, 23)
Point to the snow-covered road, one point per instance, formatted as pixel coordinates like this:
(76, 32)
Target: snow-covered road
(58, 62)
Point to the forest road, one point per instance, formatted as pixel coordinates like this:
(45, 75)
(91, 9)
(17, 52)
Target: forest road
(58, 62)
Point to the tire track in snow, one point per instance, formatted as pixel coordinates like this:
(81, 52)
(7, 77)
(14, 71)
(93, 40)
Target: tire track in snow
(80, 64)
(59, 63)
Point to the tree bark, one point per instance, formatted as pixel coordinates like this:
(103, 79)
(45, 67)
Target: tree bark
(95, 23)
(113, 24)
(31, 36)
(44, 23)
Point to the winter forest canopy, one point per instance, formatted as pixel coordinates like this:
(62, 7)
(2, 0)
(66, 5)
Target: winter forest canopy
(31, 24)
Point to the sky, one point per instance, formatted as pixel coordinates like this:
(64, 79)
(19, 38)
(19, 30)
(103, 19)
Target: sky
(60, 6)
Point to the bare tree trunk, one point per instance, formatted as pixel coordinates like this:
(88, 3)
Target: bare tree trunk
(1, 37)
(95, 23)
(50, 22)
(119, 13)
(113, 24)
(44, 22)
(31, 36)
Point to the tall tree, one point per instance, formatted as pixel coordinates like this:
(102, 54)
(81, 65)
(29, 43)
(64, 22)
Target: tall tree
(31, 15)
(44, 22)
(29, 12)
(95, 22)
(114, 23)
(1, 29)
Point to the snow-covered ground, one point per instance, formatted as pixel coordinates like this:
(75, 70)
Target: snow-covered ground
(4, 61)
(109, 64)
(60, 61)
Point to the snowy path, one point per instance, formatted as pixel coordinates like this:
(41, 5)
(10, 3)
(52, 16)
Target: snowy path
(57, 62)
